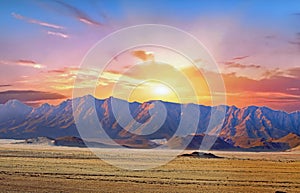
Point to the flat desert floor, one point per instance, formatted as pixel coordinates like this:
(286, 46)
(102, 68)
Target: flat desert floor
(32, 168)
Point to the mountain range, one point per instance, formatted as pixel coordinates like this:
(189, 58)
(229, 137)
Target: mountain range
(258, 128)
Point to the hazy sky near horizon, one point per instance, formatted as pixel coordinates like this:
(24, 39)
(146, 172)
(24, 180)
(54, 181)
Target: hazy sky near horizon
(255, 43)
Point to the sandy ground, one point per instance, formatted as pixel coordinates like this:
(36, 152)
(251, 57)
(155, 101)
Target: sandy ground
(35, 168)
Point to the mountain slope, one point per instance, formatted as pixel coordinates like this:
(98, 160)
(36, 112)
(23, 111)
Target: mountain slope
(243, 127)
(291, 139)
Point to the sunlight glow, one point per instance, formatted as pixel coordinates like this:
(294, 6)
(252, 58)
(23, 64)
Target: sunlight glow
(38, 66)
(152, 90)
(161, 89)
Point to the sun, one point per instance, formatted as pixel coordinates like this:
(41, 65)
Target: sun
(160, 89)
(153, 90)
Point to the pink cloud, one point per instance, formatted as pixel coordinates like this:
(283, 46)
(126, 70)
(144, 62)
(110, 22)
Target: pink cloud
(34, 21)
(241, 66)
(58, 34)
(240, 57)
(22, 62)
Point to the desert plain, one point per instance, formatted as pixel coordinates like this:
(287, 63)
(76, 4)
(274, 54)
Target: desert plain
(34, 168)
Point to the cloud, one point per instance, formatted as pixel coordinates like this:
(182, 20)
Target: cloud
(241, 66)
(293, 89)
(293, 72)
(297, 43)
(21, 62)
(235, 63)
(278, 85)
(34, 21)
(270, 73)
(58, 34)
(275, 100)
(5, 85)
(255, 71)
(270, 37)
(63, 78)
(240, 57)
(80, 15)
(28, 95)
(143, 55)
(276, 81)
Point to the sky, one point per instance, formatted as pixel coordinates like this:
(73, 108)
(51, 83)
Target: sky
(256, 45)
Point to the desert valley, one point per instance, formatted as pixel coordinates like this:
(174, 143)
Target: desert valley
(46, 154)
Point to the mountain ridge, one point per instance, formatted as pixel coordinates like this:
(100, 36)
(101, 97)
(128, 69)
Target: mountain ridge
(232, 106)
(245, 127)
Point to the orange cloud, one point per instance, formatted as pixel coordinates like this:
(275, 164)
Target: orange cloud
(278, 90)
(143, 55)
(279, 82)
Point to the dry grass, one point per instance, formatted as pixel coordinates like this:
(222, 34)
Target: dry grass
(77, 170)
